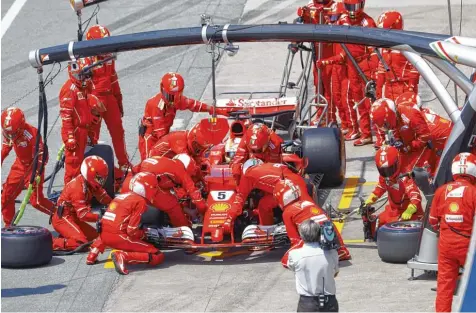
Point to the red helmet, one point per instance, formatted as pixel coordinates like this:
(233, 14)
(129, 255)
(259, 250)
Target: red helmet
(97, 32)
(145, 185)
(13, 122)
(152, 165)
(390, 20)
(337, 8)
(354, 7)
(196, 141)
(383, 114)
(464, 165)
(76, 74)
(258, 137)
(189, 163)
(388, 162)
(409, 99)
(286, 192)
(171, 86)
(95, 171)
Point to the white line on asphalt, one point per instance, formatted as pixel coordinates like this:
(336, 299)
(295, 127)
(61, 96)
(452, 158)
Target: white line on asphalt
(11, 14)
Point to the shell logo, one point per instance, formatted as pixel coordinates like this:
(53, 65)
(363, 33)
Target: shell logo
(449, 188)
(220, 207)
(112, 206)
(454, 207)
(315, 210)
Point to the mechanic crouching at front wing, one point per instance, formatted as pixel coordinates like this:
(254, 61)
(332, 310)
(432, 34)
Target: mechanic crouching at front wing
(120, 227)
(403, 194)
(259, 142)
(453, 211)
(74, 211)
(297, 209)
(175, 182)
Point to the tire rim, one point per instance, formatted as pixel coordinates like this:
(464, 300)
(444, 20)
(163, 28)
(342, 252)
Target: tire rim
(410, 224)
(23, 230)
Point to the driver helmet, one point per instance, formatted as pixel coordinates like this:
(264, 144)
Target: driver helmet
(13, 123)
(388, 162)
(258, 136)
(464, 165)
(354, 7)
(390, 20)
(171, 87)
(383, 114)
(250, 163)
(95, 171)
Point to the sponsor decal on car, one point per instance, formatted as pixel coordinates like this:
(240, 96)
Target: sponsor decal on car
(220, 207)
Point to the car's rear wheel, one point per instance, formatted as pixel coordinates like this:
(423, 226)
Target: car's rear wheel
(397, 242)
(26, 246)
(325, 150)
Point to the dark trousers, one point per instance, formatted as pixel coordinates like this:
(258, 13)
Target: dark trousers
(311, 304)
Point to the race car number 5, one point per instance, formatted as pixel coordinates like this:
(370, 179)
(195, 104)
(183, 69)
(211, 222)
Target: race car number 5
(223, 195)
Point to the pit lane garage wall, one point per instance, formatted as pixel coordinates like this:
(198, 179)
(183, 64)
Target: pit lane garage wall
(467, 290)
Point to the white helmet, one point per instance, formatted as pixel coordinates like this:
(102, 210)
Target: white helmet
(464, 164)
(250, 163)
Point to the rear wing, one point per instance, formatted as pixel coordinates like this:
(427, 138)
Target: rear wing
(262, 107)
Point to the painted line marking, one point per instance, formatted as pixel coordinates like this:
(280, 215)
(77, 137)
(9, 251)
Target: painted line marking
(11, 14)
(348, 193)
(109, 263)
(354, 241)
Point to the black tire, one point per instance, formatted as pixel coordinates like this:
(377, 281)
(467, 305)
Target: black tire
(325, 150)
(105, 152)
(154, 217)
(26, 246)
(397, 242)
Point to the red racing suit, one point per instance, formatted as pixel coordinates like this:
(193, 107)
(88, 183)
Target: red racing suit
(77, 122)
(107, 89)
(273, 153)
(402, 77)
(264, 177)
(355, 83)
(339, 90)
(299, 211)
(159, 117)
(310, 15)
(440, 129)
(412, 130)
(174, 180)
(120, 230)
(453, 208)
(20, 174)
(401, 193)
(170, 145)
(72, 225)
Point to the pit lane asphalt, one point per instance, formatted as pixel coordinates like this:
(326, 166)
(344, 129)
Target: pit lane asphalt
(251, 282)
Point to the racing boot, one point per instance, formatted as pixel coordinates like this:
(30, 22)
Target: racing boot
(353, 134)
(92, 256)
(344, 254)
(119, 261)
(362, 141)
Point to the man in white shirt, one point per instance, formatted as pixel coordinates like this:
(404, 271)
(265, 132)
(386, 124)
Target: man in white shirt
(314, 269)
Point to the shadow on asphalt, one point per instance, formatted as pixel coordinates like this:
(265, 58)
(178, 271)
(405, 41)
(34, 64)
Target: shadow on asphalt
(20, 292)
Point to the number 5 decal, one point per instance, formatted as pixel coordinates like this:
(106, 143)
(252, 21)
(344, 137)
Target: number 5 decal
(221, 195)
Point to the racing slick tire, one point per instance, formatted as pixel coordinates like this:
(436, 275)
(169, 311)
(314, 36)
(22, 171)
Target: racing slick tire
(398, 242)
(325, 150)
(26, 246)
(104, 151)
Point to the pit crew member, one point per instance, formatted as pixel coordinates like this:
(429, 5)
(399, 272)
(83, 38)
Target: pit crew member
(453, 211)
(80, 112)
(108, 91)
(297, 209)
(160, 110)
(174, 177)
(21, 137)
(403, 194)
(120, 227)
(74, 205)
(259, 142)
(410, 131)
(355, 16)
